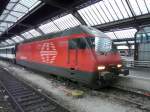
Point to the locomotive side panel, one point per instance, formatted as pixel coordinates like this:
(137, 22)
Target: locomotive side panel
(54, 56)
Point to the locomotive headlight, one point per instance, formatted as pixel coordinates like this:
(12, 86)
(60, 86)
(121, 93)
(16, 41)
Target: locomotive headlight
(101, 67)
(119, 65)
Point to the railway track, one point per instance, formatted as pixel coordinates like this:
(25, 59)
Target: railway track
(5, 105)
(131, 98)
(26, 99)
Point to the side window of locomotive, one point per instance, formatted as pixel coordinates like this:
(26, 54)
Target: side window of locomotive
(72, 44)
(77, 43)
(81, 43)
(91, 42)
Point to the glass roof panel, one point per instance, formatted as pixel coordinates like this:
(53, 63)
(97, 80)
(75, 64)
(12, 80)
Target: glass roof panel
(147, 2)
(74, 20)
(99, 6)
(66, 22)
(5, 12)
(34, 5)
(97, 14)
(105, 11)
(128, 33)
(2, 16)
(4, 43)
(122, 8)
(2, 29)
(59, 24)
(16, 9)
(10, 24)
(27, 35)
(49, 27)
(9, 41)
(86, 19)
(142, 5)
(11, 18)
(111, 35)
(14, 0)
(135, 7)
(20, 8)
(34, 33)
(116, 9)
(93, 15)
(4, 26)
(88, 14)
(28, 3)
(110, 8)
(10, 6)
(18, 39)
(17, 14)
(126, 8)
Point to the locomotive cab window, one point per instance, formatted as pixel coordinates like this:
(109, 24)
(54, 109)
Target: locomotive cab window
(100, 44)
(77, 43)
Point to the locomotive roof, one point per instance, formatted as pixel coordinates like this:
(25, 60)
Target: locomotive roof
(75, 30)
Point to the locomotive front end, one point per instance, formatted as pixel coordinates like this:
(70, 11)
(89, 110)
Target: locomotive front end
(108, 61)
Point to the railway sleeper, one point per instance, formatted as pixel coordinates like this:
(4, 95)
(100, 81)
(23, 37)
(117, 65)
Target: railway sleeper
(27, 99)
(33, 102)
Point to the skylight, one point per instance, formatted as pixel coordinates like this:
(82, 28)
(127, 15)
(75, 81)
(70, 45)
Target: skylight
(59, 24)
(15, 10)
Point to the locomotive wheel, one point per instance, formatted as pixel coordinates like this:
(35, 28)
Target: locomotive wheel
(101, 84)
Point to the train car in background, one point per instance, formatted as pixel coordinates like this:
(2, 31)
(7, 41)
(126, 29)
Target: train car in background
(82, 53)
(8, 53)
(143, 44)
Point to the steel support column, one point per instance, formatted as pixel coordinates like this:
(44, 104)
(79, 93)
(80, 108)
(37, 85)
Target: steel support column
(40, 31)
(77, 15)
(136, 46)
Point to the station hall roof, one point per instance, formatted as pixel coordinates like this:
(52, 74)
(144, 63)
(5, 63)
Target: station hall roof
(26, 19)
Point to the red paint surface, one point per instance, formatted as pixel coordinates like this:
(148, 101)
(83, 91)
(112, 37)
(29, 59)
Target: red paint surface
(54, 52)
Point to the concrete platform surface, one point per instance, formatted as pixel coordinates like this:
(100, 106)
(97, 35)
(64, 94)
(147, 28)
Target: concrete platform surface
(137, 80)
(140, 72)
(88, 103)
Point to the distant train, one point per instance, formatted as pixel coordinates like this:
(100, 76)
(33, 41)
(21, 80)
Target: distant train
(82, 53)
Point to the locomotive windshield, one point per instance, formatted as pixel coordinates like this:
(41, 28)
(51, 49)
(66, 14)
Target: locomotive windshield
(100, 44)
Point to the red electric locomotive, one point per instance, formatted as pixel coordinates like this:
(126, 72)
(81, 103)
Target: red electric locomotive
(82, 53)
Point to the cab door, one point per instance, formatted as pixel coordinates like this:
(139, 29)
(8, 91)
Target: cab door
(74, 51)
(72, 55)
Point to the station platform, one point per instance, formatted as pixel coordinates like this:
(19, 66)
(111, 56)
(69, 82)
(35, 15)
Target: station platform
(93, 101)
(140, 72)
(138, 80)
